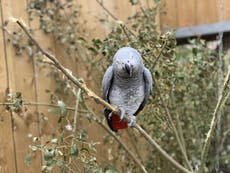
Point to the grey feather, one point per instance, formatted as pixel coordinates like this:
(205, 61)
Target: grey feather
(148, 82)
(106, 82)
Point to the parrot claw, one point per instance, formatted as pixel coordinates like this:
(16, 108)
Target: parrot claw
(122, 113)
(132, 120)
(110, 115)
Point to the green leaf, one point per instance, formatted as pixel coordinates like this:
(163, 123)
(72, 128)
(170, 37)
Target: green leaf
(111, 171)
(92, 146)
(53, 111)
(103, 21)
(74, 151)
(49, 155)
(94, 51)
(18, 95)
(62, 106)
(60, 163)
(134, 2)
(60, 119)
(33, 148)
(28, 160)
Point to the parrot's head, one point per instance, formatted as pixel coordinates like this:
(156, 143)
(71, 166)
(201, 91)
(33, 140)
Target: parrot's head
(127, 62)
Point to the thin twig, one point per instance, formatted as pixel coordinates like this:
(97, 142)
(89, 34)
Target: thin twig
(134, 144)
(180, 136)
(124, 28)
(220, 103)
(153, 64)
(180, 132)
(161, 151)
(126, 34)
(224, 137)
(67, 72)
(173, 127)
(159, 55)
(136, 160)
(78, 95)
(110, 14)
(99, 100)
(168, 116)
(41, 104)
(219, 88)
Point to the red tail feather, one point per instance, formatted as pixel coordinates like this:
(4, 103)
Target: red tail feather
(117, 123)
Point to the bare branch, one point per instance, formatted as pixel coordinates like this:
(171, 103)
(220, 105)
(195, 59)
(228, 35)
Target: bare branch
(173, 127)
(131, 154)
(134, 144)
(110, 14)
(28, 103)
(221, 101)
(161, 151)
(78, 95)
(67, 72)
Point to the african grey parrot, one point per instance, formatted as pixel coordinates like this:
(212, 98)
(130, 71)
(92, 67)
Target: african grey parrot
(126, 84)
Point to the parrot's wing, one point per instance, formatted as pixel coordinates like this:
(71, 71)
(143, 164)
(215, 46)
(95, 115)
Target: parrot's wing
(106, 82)
(148, 82)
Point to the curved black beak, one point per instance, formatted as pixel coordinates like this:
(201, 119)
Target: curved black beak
(128, 69)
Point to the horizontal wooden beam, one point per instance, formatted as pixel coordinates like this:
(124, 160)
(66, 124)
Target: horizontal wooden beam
(203, 30)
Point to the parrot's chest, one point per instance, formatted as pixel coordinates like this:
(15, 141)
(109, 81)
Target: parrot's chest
(128, 96)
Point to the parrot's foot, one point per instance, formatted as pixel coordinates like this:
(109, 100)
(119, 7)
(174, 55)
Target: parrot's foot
(132, 120)
(122, 113)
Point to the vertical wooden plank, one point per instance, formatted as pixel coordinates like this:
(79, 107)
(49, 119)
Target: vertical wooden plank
(123, 9)
(20, 71)
(186, 13)
(91, 13)
(43, 80)
(192, 12)
(168, 20)
(226, 10)
(207, 11)
(7, 150)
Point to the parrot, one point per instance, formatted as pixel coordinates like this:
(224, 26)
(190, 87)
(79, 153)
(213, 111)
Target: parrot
(126, 84)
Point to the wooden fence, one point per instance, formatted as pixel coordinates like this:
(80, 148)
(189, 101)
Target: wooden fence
(181, 13)
(21, 73)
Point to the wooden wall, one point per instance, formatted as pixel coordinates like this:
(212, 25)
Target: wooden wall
(23, 74)
(181, 13)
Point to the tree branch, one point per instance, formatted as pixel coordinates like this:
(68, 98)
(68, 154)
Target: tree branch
(221, 101)
(27, 103)
(67, 72)
(173, 127)
(133, 142)
(136, 160)
(77, 95)
(110, 14)
(161, 151)
(99, 100)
